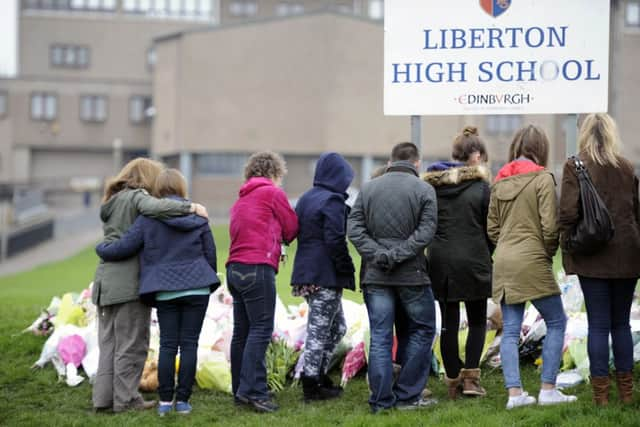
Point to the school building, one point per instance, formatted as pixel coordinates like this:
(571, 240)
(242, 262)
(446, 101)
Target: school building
(201, 84)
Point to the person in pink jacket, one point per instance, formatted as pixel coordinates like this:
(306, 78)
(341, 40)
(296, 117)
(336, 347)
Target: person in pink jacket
(261, 220)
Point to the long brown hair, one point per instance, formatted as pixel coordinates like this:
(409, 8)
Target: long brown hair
(170, 182)
(530, 142)
(138, 173)
(599, 139)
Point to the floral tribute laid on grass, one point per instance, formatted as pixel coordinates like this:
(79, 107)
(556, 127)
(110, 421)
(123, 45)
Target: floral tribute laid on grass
(71, 326)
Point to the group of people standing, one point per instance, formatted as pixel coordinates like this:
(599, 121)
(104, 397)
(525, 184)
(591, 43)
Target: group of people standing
(453, 235)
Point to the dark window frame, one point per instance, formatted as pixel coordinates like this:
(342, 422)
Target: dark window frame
(94, 97)
(76, 48)
(44, 95)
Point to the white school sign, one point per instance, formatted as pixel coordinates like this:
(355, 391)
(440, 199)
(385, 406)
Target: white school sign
(471, 57)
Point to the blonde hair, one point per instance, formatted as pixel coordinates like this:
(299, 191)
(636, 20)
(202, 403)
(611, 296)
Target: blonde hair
(532, 143)
(599, 139)
(138, 173)
(170, 182)
(265, 164)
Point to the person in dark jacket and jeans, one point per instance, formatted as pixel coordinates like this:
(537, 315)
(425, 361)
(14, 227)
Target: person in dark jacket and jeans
(261, 219)
(322, 269)
(460, 258)
(608, 277)
(392, 222)
(177, 274)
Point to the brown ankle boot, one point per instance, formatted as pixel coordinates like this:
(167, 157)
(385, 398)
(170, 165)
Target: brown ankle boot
(454, 386)
(624, 381)
(600, 387)
(471, 383)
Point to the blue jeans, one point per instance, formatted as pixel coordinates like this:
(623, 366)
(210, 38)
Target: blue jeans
(418, 306)
(552, 312)
(253, 288)
(180, 322)
(608, 303)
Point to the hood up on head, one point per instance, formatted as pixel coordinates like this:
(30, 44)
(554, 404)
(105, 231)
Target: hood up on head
(333, 172)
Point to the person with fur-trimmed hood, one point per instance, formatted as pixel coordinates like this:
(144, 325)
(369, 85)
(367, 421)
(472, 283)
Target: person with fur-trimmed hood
(460, 257)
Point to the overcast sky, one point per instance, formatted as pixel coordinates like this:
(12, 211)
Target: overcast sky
(8, 37)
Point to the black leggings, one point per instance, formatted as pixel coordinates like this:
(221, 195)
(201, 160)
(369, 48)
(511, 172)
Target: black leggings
(477, 318)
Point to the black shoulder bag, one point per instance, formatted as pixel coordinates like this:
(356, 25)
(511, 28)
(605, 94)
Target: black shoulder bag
(595, 227)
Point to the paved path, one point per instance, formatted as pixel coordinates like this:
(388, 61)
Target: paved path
(73, 231)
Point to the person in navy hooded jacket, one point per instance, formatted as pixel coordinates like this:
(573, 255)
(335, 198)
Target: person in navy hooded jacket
(177, 274)
(322, 269)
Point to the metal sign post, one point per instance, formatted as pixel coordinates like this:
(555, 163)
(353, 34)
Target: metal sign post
(571, 134)
(416, 133)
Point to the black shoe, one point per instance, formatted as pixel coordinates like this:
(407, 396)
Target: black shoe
(264, 405)
(328, 385)
(312, 390)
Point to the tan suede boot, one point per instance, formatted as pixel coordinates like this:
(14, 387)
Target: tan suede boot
(471, 383)
(454, 386)
(624, 381)
(600, 387)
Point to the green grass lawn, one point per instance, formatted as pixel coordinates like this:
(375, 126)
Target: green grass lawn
(36, 398)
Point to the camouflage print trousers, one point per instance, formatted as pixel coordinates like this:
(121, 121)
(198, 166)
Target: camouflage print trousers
(325, 328)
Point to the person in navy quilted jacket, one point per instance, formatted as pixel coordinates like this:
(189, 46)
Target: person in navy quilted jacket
(177, 274)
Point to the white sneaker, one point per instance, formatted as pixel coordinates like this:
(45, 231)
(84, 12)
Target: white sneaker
(553, 397)
(521, 400)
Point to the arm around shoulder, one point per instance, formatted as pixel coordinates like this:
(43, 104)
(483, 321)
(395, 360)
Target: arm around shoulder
(126, 246)
(153, 207)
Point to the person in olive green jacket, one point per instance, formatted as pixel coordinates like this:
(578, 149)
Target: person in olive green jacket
(123, 321)
(522, 224)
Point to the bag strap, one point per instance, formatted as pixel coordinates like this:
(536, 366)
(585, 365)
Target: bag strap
(581, 169)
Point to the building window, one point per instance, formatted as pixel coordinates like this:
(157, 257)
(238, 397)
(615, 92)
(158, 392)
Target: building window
(289, 8)
(187, 9)
(140, 109)
(632, 14)
(504, 124)
(91, 5)
(243, 8)
(225, 164)
(376, 9)
(88, 5)
(152, 58)
(4, 104)
(344, 8)
(69, 56)
(93, 108)
(44, 106)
